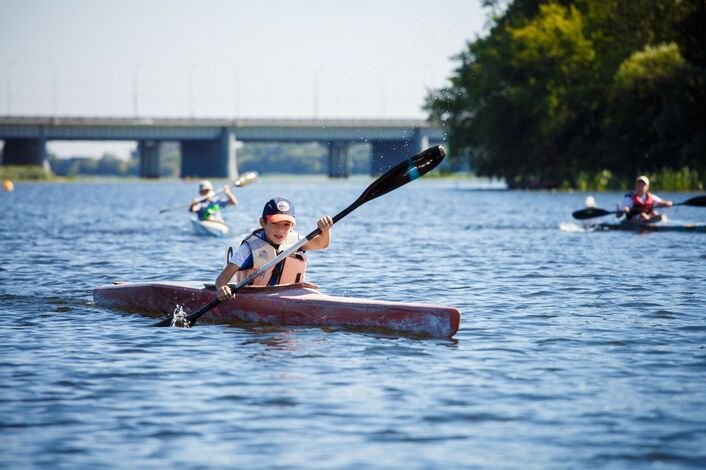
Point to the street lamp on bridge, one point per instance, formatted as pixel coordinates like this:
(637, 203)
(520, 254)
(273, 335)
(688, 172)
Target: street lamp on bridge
(191, 90)
(316, 92)
(135, 89)
(9, 86)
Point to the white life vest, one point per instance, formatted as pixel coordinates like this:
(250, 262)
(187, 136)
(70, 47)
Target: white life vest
(288, 271)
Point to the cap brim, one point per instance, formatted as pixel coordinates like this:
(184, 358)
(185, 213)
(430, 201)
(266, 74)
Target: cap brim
(280, 217)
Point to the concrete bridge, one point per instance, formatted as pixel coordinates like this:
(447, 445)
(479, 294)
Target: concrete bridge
(208, 145)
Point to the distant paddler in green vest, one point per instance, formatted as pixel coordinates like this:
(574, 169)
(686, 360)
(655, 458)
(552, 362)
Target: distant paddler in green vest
(208, 205)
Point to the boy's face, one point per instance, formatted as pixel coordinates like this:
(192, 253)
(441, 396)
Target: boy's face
(276, 232)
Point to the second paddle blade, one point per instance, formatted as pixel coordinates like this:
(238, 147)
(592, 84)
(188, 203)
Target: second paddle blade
(590, 213)
(696, 201)
(245, 179)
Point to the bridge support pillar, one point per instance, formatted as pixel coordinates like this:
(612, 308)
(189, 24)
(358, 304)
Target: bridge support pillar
(228, 152)
(388, 153)
(421, 140)
(25, 152)
(149, 158)
(209, 158)
(338, 164)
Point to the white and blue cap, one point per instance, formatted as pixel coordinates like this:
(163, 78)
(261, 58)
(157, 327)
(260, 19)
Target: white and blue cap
(278, 209)
(206, 186)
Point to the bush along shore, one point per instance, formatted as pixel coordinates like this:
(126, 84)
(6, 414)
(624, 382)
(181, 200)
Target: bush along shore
(684, 179)
(24, 173)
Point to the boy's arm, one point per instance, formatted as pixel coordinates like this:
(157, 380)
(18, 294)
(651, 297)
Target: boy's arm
(322, 240)
(222, 290)
(659, 202)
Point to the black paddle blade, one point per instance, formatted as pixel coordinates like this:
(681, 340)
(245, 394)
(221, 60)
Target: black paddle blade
(696, 201)
(404, 172)
(399, 175)
(590, 213)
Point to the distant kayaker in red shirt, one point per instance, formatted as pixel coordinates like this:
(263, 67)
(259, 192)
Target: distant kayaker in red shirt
(275, 236)
(207, 206)
(639, 205)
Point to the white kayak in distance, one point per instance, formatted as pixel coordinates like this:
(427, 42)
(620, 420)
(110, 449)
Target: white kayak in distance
(213, 228)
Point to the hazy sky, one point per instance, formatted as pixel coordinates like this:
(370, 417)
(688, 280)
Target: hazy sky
(221, 58)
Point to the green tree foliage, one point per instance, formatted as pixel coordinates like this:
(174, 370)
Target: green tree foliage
(107, 165)
(652, 121)
(282, 158)
(23, 172)
(169, 160)
(307, 158)
(559, 88)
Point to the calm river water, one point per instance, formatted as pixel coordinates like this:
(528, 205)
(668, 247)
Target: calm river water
(576, 350)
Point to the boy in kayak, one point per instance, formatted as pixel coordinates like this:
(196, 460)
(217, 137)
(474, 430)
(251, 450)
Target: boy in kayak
(207, 206)
(275, 236)
(639, 205)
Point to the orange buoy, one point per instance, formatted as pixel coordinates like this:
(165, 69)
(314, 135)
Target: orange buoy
(8, 186)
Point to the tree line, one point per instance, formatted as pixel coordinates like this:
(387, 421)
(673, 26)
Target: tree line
(581, 93)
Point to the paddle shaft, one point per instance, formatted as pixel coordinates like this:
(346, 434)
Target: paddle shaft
(397, 176)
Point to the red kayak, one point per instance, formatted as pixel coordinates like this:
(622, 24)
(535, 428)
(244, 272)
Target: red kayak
(293, 305)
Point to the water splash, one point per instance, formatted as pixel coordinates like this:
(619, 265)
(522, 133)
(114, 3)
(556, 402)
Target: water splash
(573, 227)
(179, 319)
